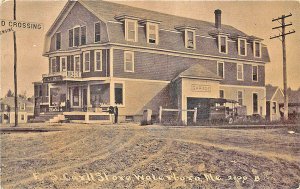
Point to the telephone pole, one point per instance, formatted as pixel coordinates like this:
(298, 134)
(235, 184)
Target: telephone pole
(15, 71)
(281, 36)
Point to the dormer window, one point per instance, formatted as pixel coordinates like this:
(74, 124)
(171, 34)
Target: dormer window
(223, 44)
(190, 39)
(97, 31)
(152, 33)
(131, 28)
(257, 49)
(242, 47)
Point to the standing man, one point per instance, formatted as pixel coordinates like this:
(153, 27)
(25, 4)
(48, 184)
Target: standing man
(116, 112)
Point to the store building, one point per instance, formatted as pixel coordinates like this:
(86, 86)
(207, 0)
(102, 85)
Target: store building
(105, 54)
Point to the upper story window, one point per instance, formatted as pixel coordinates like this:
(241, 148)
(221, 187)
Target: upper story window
(223, 44)
(53, 66)
(128, 61)
(240, 72)
(71, 37)
(242, 46)
(190, 39)
(222, 95)
(83, 35)
(152, 33)
(131, 29)
(254, 73)
(76, 36)
(63, 64)
(98, 60)
(58, 40)
(97, 31)
(221, 69)
(86, 61)
(257, 49)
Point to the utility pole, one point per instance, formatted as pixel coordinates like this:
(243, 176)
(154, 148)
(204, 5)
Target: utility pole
(281, 36)
(15, 71)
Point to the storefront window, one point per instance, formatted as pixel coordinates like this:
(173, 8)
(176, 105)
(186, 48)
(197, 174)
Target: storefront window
(54, 97)
(99, 95)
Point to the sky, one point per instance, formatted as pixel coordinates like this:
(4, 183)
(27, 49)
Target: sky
(252, 17)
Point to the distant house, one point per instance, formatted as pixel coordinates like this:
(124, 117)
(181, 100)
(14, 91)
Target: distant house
(7, 110)
(274, 99)
(294, 103)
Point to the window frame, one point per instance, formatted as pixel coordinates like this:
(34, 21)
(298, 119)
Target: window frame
(237, 72)
(242, 92)
(66, 64)
(72, 37)
(148, 24)
(223, 93)
(276, 104)
(239, 46)
(186, 38)
(95, 32)
(125, 63)
(80, 33)
(123, 93)
(51, 65)
(78, 36)
(220, 45)
(221, 62)
(254, 49)
(253, 103)
(74, 63)
(95, 60)
(23, 106)
(85, 61)
(256, 73)
(127, 21)
(56, 41)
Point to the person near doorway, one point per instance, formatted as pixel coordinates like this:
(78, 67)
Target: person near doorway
(116, 113)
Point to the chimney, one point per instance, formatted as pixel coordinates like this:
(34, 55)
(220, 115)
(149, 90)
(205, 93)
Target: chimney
(218, 13)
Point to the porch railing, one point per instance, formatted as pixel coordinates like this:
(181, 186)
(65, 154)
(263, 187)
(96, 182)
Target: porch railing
(65, 74)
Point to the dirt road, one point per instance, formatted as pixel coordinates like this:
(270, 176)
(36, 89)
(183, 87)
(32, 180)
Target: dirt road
(131, 156)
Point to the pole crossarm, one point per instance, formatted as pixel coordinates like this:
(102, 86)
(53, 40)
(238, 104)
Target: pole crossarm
(276, 36)
(282, 26)
(282, 17)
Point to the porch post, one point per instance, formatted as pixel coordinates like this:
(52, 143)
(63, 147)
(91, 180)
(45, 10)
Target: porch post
(88, 96)
(111, 93)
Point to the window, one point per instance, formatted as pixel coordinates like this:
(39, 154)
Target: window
(53, 65)
(152, 33)
(22, 106)
(222, 42)
(98, 60)
(71, 38)
(128, 61)
(97, 94)
(131, 30)
(242, 46)
(221, 69)
(255, 103)
(97, 32)
(240, 72)
(240, 97)
(254, 73)
(75, 96)
(190, 39)
(22, 117)
(257, 49)
(83, 35)
(58, 40)
(222, 94)
(77, 63)
(119, 94)
(76, 36)
(86, 61)
(63, 64)
(274, 107)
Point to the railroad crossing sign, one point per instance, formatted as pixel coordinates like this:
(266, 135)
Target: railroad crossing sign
(14, 25)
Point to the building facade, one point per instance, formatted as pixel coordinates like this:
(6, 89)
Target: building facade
(105, 54)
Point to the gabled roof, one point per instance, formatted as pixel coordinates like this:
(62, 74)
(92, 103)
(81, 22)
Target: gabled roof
(10, 101)
(109, 11)
(198, 71)
(271, 92)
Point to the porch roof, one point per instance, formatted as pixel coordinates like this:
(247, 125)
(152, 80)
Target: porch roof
(198, 71)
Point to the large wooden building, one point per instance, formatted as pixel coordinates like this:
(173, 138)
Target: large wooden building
(102, 53)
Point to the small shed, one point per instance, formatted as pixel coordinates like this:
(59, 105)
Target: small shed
(274, 97)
